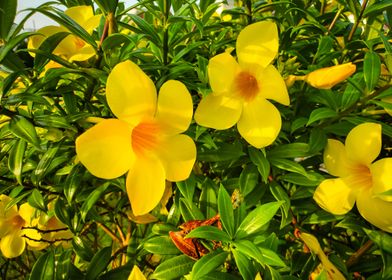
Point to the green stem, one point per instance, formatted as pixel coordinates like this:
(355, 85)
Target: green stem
(358, 20)
(165, 47)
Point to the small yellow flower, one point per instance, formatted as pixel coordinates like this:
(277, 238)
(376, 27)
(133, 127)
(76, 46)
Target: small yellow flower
(360, 180)
(136, 274)
(146, 138)
(72, 47)
(240, 89)
(12, 232)
(326, 78)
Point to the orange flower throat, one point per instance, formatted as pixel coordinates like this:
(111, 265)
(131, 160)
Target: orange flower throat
(144, 137)
(246, 85)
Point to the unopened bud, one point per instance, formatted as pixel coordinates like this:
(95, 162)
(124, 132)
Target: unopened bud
(326, 78)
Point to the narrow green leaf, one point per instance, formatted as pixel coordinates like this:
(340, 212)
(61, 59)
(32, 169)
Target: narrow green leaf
(371, 69)
(225, 152)
(37, 201)
(317, 140)
(249, 249)
(187, 187)
(43, 166)
(7, 16)
(82, 249)
(256, 219)
(288, 165)
(208, 198)
(208, 263)
(24, 129)
(259, 159)
(15, 159)
(249, 178)
(146, 29)
(48, 45)
(382, 239)
(291, 150)
(92, 199)
(321, 114)
(173, 268)
(99, 263)
(190, 211)
(161, 245)
(209, 233)
(271, 258)
(4, 50)
(377, 8)
(43, 268)
(72, 182)
(244, 265)
(225, 208)
(63, 265)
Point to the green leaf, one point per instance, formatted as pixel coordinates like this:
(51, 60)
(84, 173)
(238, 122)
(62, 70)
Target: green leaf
(208, 198)
(5, 50)
(108, 6)
(24, 129)
(288, 165)
(209, 233)
(173, 268)
(43, 268)
(377, 8)
(249, 178)
(37, 201)
(317, 140)
(217, 275)
(321, 114)
(161, 245)
(259, 159)
(271, 258)
(382, 239)
(292, 150)
(225, 208)
(15, 159)
(48, 45)
(146, 29)
(72, 182)
(99, 263)
(7, 16)
(43, 166)
(187, 187)
(244, 265)
(63, 265)
(371, 69)
(190, 211)
(92, 199)
(208, 263)
(256, 219)
(249, 249)
(82, 249)
(225, 152)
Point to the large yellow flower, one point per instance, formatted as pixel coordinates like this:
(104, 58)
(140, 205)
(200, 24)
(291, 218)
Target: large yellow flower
(72, 47)
(145, 139)
(12, 232)
(240, 90)
(361, 180)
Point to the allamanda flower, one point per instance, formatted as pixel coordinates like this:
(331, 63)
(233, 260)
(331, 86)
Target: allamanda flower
(13, 236)
(360, 180)
(145, 139)
(240, 90)
(72, 47)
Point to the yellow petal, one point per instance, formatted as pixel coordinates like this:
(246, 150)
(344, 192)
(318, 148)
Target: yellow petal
(130, 93)
(35, 41)
(381, 172)
(335, 196)
(106, 149)
(363, 143)
(92, 23)
(335, 158)
(388, 100)
(84, 53)
(222, 70)
(12, 245)
(136, 274)
(260, 123)
(9, 213)
(80, 14)
(32, 237)
(326, 78)
(175, 107)
(272, 85)
(257, 43)
(145, 184)
(376, 211)
(27, 212)
(218, 111)
(178, 155)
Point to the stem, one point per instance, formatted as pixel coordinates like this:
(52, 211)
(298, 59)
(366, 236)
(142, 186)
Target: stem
(165, 46)
(350, 36)
(334, 20)
(358, 254)
(109, 232)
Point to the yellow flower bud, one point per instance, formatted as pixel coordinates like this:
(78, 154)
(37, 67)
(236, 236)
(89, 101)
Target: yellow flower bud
(326, 78)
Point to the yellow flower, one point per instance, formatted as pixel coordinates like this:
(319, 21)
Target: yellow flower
(136, 274)
(12, 221)
(72, 47)
(326, 78)
(145, 139)
(361, 180)
(240, 89)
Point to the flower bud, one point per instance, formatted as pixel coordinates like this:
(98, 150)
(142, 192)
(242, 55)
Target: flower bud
(326, 78)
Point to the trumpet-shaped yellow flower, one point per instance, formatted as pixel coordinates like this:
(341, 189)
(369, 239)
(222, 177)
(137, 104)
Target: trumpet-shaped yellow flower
(13, 236)
(240, 89)
(71, 47)
(146, 138)
(361, 180)
(326, 78)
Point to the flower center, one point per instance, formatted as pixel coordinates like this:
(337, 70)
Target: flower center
(17, 222)
(144, 137)
(79, 42)
(246, 84)
(361, 176)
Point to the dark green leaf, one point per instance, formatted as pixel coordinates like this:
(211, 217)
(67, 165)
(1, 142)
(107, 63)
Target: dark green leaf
(43, 268)
(288, 165)
(4, 50)
(377, 8)
(321, 114)
(382, 239)
(161, 245)
(173, 268)
(82, 249)
(190, 211)
(48, 45)
(209, 233)
(259, 159)
(98, 263)
(15, 159)
(249, 178)
(43, 166)
(22, 128)
(244, 265)
(7, 16)
(187, 187)
(292, 150)
(208, 263)
(73, 182)
(37, 201)
(92, 199)
(371, 69)
(226, 211)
